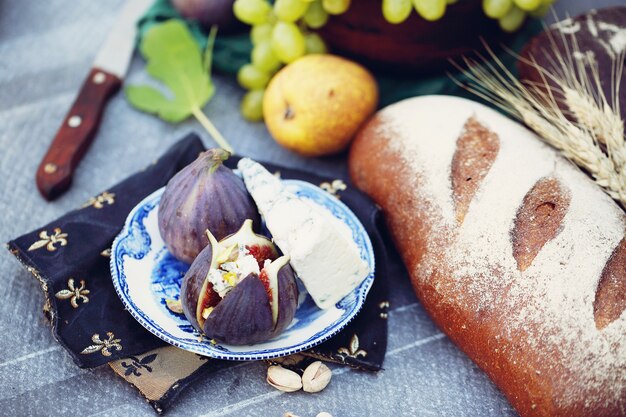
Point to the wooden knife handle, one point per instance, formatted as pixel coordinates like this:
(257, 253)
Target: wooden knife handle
(78, 130)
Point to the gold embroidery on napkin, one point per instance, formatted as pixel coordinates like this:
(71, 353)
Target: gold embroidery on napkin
(102, 346)
(74, 294)
(384, 305)
(99, 200)
(49, 241)
(334, 187)
(353, 350)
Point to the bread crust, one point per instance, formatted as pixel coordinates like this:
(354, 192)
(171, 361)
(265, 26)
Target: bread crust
(478, 296)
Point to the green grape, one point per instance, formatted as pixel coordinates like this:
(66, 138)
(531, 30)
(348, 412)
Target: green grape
(527, 5)
(540, 11)
(397, 11)
(252, 12)
(261, 33)
(252, 105)
(451, 1)
(290, 10)
(251, 77)
(513, 19)
(430, 9)
(315, 16)
(336, 6)
(263, 57)
(496, 9)
(288, 42)
(315, 44)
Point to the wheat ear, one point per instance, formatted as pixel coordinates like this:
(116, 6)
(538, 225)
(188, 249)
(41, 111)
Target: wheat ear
(590, 132)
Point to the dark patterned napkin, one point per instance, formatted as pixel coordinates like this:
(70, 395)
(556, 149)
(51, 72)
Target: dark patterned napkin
(70, 259)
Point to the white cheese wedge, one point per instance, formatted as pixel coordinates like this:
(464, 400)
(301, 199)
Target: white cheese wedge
(322, 251)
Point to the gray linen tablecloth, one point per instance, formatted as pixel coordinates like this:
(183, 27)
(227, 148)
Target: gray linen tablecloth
(46, 49)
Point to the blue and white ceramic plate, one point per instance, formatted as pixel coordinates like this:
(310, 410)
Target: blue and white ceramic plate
(145, 275)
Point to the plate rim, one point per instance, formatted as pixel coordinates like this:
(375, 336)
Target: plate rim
(117, 275)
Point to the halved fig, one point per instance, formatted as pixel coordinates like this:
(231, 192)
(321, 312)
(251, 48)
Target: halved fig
(237, 292)
(255, 311)
(258, 245)
(196, 292)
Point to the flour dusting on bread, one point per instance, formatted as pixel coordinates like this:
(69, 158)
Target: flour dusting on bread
(547, 307)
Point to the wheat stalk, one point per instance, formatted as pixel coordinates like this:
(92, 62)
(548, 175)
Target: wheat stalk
(590, 132)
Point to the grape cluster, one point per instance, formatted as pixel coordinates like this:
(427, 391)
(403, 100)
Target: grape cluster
(281, 33)
(511, 14)
(284, 31)
(397, 11)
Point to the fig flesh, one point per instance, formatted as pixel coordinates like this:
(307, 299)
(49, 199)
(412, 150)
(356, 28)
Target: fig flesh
(203, 195)
(196, 292)
(237, 291)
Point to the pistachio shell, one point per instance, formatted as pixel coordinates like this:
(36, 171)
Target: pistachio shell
(316, 377)
(283, 379)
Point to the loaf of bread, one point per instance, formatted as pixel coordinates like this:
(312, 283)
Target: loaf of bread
(516, 255)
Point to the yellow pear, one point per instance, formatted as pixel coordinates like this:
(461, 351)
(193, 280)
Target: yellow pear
(315, 105)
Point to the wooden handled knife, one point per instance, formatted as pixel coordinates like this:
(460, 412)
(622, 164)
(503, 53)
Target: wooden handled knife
(55, 172)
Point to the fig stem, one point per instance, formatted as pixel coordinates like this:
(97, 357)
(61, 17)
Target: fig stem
(210, 127)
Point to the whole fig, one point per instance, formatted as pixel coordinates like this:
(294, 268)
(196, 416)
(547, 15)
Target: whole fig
(237, 291)
(209, 13)
(203, 195)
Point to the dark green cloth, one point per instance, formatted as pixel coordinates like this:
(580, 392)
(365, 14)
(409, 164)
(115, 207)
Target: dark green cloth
(233, 51)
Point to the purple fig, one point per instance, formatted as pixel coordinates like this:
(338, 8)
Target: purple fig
(203, 195)
(257, 309)
(243, 317)
(283, 292)
(196, 292)
(209, 13)
(237, 292)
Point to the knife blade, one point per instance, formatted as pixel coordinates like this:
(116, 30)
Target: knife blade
(79, 127)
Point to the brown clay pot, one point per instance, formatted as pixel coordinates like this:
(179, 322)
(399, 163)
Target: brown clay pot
(416, 45)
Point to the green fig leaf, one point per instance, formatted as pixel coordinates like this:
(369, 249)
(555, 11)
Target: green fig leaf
(151, 100)
(175, 59)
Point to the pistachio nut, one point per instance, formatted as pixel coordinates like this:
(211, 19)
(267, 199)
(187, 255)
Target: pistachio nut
(316, 376)
(283, 379)
(175, 306)
(324, 414)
